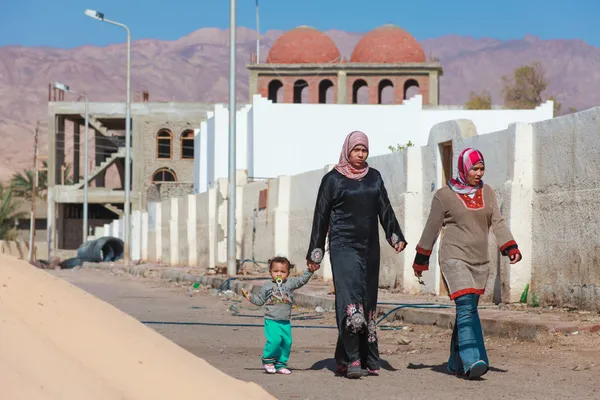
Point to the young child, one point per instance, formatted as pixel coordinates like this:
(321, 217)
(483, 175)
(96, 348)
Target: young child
(278, 297)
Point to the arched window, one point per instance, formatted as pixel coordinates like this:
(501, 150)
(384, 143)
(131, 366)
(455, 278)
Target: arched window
(187, 145)
(164, 144)
(301, 91)
(360, 92)
(275, 90)
(326, 89)
(411, 89)
(164, 175)
(386, 92)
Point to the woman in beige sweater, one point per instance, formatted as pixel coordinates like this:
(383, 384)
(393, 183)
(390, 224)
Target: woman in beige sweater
(465, 209)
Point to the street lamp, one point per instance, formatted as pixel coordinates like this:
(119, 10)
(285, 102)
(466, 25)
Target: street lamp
(231, 239)
(65, 88)
(257, 36)
(127, 231)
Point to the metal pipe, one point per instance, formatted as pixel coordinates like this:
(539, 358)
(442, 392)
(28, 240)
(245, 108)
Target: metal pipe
(257, 36)
(127, 205)
(231, 237)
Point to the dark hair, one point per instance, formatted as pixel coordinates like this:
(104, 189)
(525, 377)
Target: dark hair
(280, 260)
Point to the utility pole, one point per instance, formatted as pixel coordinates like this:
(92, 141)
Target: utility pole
(257, 36)
(231, 195)
(33, 194)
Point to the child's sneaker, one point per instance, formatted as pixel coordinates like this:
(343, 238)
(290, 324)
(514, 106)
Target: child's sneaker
(269, 368)
(284, 371)
(373, 372)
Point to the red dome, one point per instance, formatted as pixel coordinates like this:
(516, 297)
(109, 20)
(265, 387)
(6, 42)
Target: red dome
(303, 45)
(388, 44)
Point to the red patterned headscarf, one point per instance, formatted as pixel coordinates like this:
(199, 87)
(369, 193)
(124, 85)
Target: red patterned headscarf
(467, 159)
(353, 139)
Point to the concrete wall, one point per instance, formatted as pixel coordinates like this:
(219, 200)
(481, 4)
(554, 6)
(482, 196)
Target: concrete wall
(275, 139)
(566, 222)
(546, 176)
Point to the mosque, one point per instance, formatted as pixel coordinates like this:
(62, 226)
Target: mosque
(304, 65)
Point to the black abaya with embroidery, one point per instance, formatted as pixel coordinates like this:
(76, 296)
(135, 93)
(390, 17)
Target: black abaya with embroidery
(349, 210)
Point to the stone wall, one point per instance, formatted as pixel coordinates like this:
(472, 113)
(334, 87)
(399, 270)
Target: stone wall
(566, 200)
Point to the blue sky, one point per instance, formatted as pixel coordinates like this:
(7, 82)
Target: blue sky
(61, 23)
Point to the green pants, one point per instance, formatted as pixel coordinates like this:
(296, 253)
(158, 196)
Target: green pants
(279, 343)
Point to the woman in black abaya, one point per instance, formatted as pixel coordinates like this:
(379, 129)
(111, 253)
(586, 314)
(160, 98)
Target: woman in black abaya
(352, 198)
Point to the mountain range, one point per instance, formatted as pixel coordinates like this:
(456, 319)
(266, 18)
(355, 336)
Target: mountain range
(195, 68)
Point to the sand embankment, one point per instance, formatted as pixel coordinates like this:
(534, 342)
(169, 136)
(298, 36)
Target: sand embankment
(59, 342)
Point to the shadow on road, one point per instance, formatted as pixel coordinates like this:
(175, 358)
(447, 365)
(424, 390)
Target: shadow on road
(441, 368)
(330, 364)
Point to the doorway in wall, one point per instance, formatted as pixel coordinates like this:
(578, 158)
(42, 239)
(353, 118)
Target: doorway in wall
(446, 153)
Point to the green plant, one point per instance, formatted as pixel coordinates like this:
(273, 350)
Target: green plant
(9, 214)
(399, 147)
(22, 182)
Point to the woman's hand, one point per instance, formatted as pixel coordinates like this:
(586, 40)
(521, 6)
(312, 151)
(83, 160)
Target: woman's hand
(399, 247)
(312, 267)
(515, 258)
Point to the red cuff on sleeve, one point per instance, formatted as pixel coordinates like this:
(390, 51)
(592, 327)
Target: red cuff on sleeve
(513, 252)
(421, 250)
(420, 268)
(507, 245)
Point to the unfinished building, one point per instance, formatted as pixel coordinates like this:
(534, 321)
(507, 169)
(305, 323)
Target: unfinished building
(162, 153)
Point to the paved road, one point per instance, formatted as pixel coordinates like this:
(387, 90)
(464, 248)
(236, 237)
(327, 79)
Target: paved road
(562, 368)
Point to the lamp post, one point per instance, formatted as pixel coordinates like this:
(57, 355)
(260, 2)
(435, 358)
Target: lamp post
(65, 88)
(231, 237)
(257, 36)
(127, 229)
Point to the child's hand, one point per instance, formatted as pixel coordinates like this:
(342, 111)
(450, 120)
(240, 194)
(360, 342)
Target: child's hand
(246, 294)
(312, 267)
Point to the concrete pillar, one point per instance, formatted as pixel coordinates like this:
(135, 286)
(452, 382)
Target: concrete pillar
(182, 229)
(521, 208)
(76, 151)
(434, 88)
(144, 241)
(100, 145)
(282, 214)
(52, 149)
(154, 244)
(60, 148)
(222, 188)
(165, 233)
(342, 87)
(213, 227)
(253, 84)
(192, 221)
(60, 226)
(114, 228)
(106, 231)
(98, 232)
(136, 235)
(174, 232)
(412, 225)
(239, 217)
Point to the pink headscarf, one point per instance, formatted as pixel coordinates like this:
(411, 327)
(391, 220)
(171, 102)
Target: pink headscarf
(353, 139)
(467, 159)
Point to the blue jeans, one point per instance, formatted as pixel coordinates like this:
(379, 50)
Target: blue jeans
(467, 346)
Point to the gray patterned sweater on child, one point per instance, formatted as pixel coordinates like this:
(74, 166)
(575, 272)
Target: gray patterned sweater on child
(279, 299)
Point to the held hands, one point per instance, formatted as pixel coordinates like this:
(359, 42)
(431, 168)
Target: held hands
(399, 247)
(312, 267)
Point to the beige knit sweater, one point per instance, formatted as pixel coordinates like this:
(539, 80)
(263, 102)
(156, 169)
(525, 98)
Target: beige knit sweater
(466, 222)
